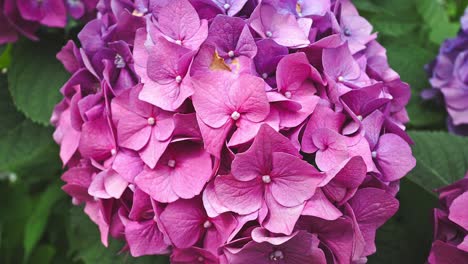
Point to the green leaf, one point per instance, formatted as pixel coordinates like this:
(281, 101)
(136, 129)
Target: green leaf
(436, 18)
(43, 254)
(409, 60)
(85, 244)
(406, 238)
(5, 56)
(442, 159)
(16, 208)
(367, 6)
(38, 220)
(35, 77)
(9, 116)
(24, 145)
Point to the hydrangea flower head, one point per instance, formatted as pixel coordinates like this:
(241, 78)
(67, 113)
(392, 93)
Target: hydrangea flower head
(451, 225)
(24, 17)
(449, 79)
(234, 131)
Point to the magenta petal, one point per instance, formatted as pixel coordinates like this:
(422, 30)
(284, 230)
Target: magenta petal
(211, 202)
(157, 185)
(114, 184)
(248, 165)
(442, 252)
(372, 208)
(240, 197)
(96, 139)
(192, 170)
(281, 219)
(260, 235)
(192, 255)
(293, 180)
(153, 151)
(179, 19)
(128, 164)
(319, 206)
(97, 188)
(457, 212)
(144, 238)
(209, 99)
(93, 210)
(183, 221)
(394, 157)
(339, 62)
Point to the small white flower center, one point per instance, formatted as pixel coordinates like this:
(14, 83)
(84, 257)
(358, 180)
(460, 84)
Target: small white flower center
(200, 259)
(227, 6)
(288, 94)
(235, 115)
(340, 78)
(119, 61)
(264, 75)
(113, 152)
(231, 54)
(266, 178)
(359, 117)
(4, 70)
(138, 13)
(207, 224)
(268, 34)
(276, 255)
(171, 163)
(131, 187)
(374, 154)
(151, 121)
(178, 78)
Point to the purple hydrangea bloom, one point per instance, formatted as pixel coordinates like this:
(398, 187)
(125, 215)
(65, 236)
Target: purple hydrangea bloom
(24, 17)
(233, 131)
(449, 79)
(451, 225)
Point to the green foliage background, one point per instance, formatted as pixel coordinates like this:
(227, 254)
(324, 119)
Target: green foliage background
(38, 223)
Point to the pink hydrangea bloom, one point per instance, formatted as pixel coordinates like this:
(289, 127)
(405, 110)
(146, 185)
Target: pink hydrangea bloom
(451, 225)
(232, 131)
(24, 17)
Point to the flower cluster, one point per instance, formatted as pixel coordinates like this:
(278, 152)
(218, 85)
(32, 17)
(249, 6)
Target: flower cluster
(451, 225)
(23, 17)
(449, 78)
(234, 131)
